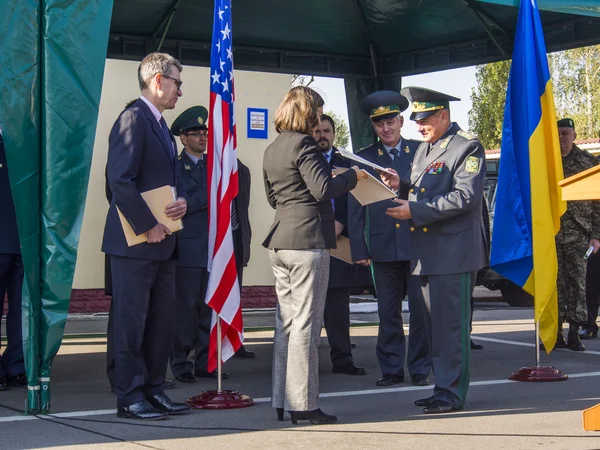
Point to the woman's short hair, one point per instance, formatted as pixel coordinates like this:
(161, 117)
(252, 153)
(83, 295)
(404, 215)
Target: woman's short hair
(298, 111)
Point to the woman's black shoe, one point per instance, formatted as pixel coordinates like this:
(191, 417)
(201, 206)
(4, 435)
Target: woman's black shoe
(279, 414)
(316, 417)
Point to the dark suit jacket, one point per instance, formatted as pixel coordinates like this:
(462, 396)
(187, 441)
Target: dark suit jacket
(138, 161)
(389, 238)
(193, 238)
(243, 205)
(299, 185)
(341, 274)
(9, 235)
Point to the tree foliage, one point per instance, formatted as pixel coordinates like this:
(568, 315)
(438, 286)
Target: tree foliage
(576, 85)
(485, 119)
(342, 132)
(576, 80)
(302, 80)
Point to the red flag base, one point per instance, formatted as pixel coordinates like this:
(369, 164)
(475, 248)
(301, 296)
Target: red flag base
(219, 400)
(538, 374)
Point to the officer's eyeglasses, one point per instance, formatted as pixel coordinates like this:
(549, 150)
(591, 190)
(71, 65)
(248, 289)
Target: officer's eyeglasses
(177, 82)
(199, 133)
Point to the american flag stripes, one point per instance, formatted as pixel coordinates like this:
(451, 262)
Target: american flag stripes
(223, 293)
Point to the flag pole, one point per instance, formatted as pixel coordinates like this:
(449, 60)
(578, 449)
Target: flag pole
(537, 340)
(219, 363)
(538, 373)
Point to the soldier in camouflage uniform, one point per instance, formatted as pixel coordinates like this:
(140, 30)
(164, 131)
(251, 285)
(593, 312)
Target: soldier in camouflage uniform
(579, 229)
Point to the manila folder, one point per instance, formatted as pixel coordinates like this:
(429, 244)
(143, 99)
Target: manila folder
(157, 200)
(342, 250)
(370, 190)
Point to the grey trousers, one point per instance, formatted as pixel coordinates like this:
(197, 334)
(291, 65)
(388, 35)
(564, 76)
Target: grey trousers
(301, 278)
(447, 321)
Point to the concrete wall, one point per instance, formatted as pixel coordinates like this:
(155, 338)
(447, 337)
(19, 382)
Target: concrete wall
(253, 89)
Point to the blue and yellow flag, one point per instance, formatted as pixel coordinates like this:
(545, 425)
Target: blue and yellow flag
(528, 205)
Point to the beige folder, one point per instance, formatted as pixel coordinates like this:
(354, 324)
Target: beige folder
(342, 252)
(157, 200)
(370, 190)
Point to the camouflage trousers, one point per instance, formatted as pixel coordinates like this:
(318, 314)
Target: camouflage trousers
(571, 281)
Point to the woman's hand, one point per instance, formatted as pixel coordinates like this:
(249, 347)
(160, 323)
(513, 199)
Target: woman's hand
(360, 174)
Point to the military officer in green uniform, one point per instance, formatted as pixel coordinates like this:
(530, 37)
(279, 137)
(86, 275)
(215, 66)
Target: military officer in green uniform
(448, 239)
(579, 230)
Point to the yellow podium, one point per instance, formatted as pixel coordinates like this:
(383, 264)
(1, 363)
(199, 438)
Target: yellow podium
(584, 186)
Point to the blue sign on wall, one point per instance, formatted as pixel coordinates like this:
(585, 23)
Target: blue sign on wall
(258, 123)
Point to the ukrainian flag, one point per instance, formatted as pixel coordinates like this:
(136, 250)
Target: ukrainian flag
(528, 205)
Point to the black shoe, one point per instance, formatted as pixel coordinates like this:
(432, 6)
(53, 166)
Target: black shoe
(573, 342)
(424, 401)
(316, 417)
(186, 377)
(352, 345)
(279, 414)
(18, 380)
(389, 379)
(586, 333)
(141, 411)
(169, 384)
(3, 385)
(163, 403)
(350, 369)
(420, 380)
(243, 353)
(213, 375)
(475, 345)
(439, 407)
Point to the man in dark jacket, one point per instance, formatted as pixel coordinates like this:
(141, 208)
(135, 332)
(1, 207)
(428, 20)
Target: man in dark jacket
(12, 366)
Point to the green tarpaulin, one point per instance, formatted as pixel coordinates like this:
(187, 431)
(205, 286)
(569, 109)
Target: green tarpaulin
(52, 58)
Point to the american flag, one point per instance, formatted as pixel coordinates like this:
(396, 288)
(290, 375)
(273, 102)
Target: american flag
(223, 294)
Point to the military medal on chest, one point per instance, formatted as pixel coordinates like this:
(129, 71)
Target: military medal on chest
(435, 168)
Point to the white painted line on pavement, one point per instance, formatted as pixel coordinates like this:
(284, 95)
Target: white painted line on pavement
(102, 412)
(527, 344)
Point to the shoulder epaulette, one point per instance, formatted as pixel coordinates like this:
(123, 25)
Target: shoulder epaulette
(466, 135)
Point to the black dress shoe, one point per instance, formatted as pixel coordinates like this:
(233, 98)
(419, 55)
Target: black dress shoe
(3, 385)
(475, 345)
(141, 411)
(316, 417)
(243, 353)
(163, 403)
(18, 380)
(186, 377)
(420, 380)
(573, 342)
(169, 384)
(213, 375)
(439, 407)
(389, 379)
(424, 401)
(587, 334)
(350, 369)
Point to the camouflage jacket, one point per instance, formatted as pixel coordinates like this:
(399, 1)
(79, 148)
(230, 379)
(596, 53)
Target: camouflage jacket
(582, 218)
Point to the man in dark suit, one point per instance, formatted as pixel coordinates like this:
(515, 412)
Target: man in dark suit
(12, 366)
(142, 156)
(448, 239)
(342, 276)
(242, 234)
(387, 247)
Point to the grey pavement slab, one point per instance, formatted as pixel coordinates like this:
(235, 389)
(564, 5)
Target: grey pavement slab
(499, 414)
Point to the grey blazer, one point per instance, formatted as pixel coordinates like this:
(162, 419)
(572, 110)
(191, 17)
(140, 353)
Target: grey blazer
(300, 187)
(448, 234)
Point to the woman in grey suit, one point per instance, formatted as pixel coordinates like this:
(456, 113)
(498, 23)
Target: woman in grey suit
(300, 186)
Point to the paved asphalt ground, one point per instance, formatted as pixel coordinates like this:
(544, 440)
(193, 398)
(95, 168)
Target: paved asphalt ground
(500, 414)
